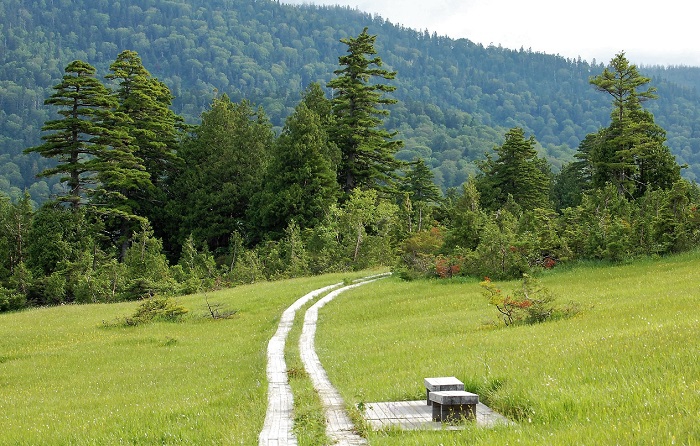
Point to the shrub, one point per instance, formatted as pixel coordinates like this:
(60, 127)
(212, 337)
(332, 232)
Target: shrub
(157, 309)
(11, 300)
(531, 303)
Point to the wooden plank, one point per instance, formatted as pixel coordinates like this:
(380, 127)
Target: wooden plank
(416, 415)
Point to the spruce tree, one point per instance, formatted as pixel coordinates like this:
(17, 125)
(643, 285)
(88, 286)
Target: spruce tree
(367, 148)
(630, 153)
(517, 172)
(300, 184)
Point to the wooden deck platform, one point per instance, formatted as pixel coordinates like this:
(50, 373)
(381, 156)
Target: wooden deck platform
(417, 415)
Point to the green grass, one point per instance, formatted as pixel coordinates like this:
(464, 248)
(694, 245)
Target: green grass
(66, 377)
(624, 371)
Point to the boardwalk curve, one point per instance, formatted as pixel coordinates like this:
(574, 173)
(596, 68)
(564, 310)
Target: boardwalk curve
(279, 421)
(339, 427)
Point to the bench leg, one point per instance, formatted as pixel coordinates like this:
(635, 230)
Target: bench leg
(454, 413)
(427, 396)
(437, 411)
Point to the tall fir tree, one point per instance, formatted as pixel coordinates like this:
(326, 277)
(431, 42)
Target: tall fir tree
(367, 148)
(94, 150)
(517, 172)
(300, 184)
(630, 153)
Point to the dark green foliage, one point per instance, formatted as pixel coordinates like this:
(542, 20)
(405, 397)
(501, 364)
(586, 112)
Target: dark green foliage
(568, 186)
(151, 124)
(457, 97)
(466, 218)
(196, 270)
(516, 173)
(222, 164)
(315, 100)
(77, 138)
(367, 148)
(58, 236)
(147, 269)
(300, 184)
(15, 225)
(421, 192)
(15, 278)
(94, 150)
(11, 300)
(240, 204)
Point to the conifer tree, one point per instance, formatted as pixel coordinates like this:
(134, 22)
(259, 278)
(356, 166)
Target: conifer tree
(367, 149)
(222, 164)
(315, 100)
(94, 150)
(421, 189)
(154, 127)
(146, 101)
(76, 139)
(300, 184)
(631, 152)
(517, 172)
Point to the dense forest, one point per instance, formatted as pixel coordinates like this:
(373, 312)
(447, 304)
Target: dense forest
(456, 99)
(145, 185)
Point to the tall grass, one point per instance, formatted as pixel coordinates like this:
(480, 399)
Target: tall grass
(68, 375)
(625, 371)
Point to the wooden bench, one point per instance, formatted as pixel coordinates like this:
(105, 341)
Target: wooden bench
(440, 384)
(453, 405)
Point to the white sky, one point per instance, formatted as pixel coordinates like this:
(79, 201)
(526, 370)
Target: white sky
(660, 32)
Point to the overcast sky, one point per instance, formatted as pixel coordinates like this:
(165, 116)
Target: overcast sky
(660, 32)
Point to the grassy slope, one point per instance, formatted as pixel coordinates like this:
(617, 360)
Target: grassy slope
(625, 371)
(65, 378)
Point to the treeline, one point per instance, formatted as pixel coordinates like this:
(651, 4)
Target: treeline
(457, 98)
(149, 205)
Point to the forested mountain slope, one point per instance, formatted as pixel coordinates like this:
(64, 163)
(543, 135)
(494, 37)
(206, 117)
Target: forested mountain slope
(457, 98)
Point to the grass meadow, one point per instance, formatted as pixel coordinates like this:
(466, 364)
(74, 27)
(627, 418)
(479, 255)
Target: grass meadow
(69, 376)
(624, 371)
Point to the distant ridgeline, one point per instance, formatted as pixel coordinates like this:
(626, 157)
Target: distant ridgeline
(456, 98)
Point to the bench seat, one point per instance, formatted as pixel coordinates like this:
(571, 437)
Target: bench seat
(440, 384)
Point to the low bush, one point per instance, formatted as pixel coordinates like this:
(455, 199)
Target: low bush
(530, 304)
(157, 309)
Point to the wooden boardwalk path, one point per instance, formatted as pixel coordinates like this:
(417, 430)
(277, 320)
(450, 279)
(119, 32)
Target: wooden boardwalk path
(279, 420)
(339, 427)
(278, 428)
